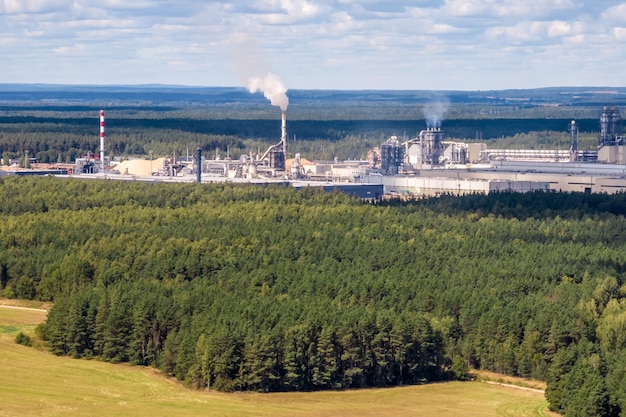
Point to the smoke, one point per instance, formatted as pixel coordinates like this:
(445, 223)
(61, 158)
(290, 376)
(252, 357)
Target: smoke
(247, 54)
(435, 111)
(272, 88)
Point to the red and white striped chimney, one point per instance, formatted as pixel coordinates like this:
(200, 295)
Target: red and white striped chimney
(102, 139)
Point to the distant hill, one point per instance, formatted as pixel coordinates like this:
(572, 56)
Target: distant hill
(195, 95)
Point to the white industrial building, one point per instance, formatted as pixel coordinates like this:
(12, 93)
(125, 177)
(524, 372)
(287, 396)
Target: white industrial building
(443, 184)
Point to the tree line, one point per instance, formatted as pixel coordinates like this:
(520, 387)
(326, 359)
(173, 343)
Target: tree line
(60, 136)
(240, 287)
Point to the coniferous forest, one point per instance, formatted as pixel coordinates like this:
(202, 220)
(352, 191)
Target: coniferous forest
(268, 288)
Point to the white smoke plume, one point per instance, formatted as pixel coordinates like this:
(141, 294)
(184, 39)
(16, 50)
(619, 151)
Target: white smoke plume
(272, 88)
(435, 111)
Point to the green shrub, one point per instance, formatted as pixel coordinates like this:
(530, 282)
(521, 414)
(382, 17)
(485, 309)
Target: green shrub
(23, 339)
(460, 368)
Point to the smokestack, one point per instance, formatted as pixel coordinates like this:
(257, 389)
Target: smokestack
(102, 139)
(283, 137)
(199, 164)
(274, 90)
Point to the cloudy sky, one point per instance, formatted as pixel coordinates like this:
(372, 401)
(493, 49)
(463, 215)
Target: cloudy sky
(316, 44)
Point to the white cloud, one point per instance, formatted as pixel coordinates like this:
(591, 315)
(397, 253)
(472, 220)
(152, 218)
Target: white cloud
(125, 4)
(515, 9)
(530, 8)
(8, 41)
(285, 11)
(620, 33)
(522, 32)
(575, 40)
(445, 28)
(312, 43)
(466, 8)
(172, 28)
(300, 9)
(539, 32)
(559, 28)
(343, 22)
(71, 50)
(34, 6)
(615, 14)
(34, 34)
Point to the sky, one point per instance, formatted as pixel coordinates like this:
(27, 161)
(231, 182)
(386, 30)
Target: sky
(316, 44)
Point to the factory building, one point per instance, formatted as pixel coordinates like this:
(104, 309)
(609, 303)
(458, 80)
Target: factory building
(428, 165)
(391, 156)
(425, 165)
(434, 166)
(460, 185)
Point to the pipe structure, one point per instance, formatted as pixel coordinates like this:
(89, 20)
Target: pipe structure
(102, 139)
(271, 148)
(610, 126)
(283, 136)
(573, 147)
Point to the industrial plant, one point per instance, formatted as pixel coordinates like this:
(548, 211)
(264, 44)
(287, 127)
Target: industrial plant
(425, 165)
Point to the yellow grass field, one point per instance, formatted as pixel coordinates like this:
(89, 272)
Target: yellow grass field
(36, 383)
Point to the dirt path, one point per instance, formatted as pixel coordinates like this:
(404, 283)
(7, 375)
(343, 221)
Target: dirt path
(24, 308)
(539, 391)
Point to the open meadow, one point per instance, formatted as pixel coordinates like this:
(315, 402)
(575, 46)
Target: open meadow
(36, 383)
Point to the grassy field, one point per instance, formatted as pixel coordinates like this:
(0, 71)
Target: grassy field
(35, 383)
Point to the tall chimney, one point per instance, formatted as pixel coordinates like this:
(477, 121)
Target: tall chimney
(283, 138)
(102, 139)
(199, 164)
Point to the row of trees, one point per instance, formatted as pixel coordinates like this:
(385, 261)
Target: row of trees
(224, 285)
(188, 332)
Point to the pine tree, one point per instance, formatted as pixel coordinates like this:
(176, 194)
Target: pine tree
(325, 362)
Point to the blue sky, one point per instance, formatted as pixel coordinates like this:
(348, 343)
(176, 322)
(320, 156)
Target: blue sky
(316, 44)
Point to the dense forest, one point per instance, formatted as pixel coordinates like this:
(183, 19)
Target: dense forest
(273, 289)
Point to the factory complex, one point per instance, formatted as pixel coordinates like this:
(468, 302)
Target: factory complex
(426, 165)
